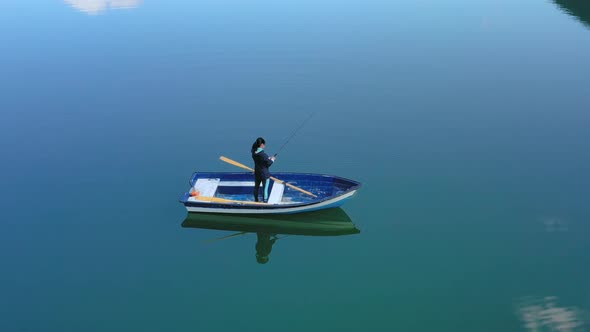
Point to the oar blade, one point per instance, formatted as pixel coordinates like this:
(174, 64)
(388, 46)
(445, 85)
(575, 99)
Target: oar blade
(235, 163)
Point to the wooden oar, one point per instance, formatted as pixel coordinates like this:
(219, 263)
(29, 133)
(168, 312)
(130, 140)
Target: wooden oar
(235, 163)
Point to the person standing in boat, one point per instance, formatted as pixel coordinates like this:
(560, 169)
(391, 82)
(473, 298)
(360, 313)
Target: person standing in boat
(261, 164)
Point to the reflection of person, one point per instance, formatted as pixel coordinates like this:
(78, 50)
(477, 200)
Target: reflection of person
(261, 164)
(264, 246)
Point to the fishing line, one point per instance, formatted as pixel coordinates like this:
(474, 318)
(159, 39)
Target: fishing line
(295, 132)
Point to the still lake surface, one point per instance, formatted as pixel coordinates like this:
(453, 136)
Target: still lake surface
(467, 123)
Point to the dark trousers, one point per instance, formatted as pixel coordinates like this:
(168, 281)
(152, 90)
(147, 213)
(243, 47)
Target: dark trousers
(257, 184)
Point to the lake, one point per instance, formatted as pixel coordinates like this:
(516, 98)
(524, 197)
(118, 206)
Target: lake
(466, 122)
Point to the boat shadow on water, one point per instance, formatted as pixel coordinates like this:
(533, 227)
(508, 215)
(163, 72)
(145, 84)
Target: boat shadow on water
(270, 228)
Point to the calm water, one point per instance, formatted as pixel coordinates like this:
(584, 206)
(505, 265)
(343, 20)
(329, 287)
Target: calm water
(466, 121)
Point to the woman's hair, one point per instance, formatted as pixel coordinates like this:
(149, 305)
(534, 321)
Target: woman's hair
(259, 141)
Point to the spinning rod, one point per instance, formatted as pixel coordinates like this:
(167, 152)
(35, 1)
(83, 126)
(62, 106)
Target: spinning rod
(294, 133)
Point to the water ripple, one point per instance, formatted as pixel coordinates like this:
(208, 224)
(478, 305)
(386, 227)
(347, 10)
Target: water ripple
(543, 314)
(97, 6)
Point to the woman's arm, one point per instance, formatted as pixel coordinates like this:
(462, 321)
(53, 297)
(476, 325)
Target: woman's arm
(267, 160)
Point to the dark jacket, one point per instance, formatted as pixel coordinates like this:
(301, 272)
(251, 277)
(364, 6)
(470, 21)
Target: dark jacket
(261, 164)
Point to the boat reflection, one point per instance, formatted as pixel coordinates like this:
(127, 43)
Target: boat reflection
(579, 9)
(270, 228)
(97, 6)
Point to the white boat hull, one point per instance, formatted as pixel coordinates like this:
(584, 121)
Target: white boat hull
(330, 203)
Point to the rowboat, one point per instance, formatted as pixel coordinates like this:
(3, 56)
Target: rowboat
(228, 192)
(330, 222)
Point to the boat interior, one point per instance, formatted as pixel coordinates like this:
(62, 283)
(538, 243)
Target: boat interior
(240, 191)
(240, 187)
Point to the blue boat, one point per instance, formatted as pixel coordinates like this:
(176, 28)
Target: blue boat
(228, 192)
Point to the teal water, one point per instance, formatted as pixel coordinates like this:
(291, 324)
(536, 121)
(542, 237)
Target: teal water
(466, 122)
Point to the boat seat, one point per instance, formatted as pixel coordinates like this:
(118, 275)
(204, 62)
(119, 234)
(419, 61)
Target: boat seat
(206, 187)
(236, 184)
(276, 194)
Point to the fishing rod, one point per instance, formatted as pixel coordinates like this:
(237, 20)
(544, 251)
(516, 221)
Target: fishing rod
(294, 133)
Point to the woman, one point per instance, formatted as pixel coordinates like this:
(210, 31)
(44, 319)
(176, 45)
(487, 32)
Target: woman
(261, 164)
